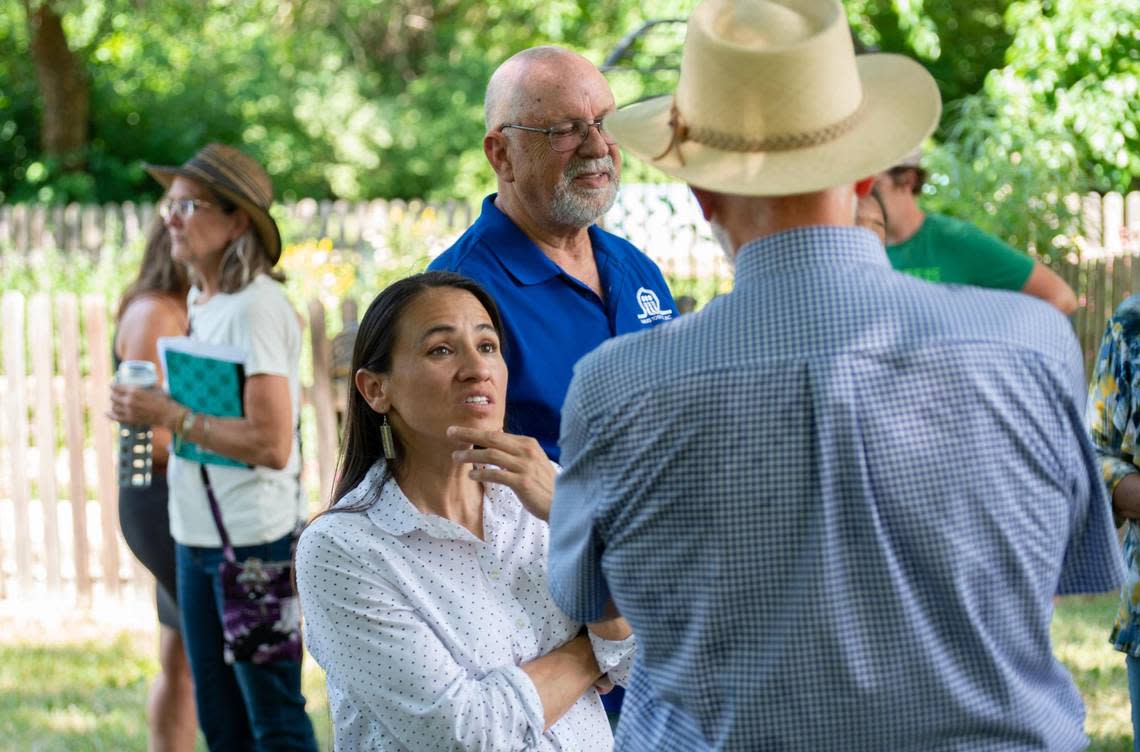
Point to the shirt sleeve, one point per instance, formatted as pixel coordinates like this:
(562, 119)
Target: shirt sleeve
(667, 301)
(575, 564)
(273, 334)
(1092, 561)
(614, 657)
(1108, 411)
(989, 262)
(374, 646)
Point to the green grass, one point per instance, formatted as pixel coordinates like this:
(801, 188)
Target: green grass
(80, 696)
(1080, 639)
(89, 697)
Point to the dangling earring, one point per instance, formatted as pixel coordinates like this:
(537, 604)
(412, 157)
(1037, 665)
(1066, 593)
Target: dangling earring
(386, 439)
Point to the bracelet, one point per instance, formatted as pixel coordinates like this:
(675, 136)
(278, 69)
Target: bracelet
(179, 419)
(205, 429)
(188, 419)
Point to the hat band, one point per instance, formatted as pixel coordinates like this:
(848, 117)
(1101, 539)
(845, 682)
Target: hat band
(682, 132)
(231, 180)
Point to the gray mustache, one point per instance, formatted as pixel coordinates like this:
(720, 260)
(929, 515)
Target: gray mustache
(604, 164)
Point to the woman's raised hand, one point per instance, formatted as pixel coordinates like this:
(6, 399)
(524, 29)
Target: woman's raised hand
(517, 462)
(141, 407)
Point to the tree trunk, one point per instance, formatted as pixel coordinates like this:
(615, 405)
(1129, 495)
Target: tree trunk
(63, 86)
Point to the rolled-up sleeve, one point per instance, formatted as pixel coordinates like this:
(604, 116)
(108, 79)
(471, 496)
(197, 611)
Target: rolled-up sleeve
(375, 647)
(615, 657)
(575, 564)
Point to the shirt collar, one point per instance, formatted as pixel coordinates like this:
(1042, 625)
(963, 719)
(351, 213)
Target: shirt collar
(521, 257)
(395, 513)
(808, 248)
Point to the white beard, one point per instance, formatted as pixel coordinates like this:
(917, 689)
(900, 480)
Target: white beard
(725, 241)
(575, 208)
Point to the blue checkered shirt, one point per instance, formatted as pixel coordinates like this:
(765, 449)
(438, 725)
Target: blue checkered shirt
(835, 505)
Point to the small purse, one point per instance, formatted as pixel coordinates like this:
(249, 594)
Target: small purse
(261, 614)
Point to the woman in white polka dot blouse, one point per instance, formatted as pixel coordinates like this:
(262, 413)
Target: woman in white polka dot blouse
(424, 586)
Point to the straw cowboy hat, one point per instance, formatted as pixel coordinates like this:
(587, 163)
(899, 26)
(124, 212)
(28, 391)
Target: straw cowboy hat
(236, 177)
(772, 101)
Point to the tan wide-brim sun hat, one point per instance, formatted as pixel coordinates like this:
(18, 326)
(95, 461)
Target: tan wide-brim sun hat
(235, 176)
(773, 101)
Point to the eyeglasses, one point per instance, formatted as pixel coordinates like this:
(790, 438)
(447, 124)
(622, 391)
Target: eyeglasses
(184, 208)
(567, 136)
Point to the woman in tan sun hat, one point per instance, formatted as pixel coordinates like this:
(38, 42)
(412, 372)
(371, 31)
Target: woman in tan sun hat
(216, 210)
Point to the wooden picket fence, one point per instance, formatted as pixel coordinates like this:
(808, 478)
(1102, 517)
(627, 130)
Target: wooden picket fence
(59, 532)
(59, 527)
(76, 228)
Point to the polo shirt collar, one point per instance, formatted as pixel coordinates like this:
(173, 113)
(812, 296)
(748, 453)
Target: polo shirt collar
(522, 259)
(808, 248)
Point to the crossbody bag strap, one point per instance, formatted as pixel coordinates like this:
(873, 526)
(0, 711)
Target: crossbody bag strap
(215, 510)
(227, 547)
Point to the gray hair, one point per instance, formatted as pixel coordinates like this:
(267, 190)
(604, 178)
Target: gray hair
(242, 261)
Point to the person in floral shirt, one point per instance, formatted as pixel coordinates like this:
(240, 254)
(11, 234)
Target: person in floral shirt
(1114, 421)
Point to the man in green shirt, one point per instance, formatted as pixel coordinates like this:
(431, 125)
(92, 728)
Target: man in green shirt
(944, 249)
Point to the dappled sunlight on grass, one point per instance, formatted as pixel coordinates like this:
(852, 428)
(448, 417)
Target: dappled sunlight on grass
(89, 694)
(1080, 640)
(70, 697)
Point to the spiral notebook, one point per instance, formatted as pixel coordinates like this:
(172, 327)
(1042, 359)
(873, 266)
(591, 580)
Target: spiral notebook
(208, 379)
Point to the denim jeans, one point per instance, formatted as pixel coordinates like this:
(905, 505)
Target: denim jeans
(1134, 695)
(244, 706)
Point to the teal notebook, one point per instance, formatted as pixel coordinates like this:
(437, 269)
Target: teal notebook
(208, 379)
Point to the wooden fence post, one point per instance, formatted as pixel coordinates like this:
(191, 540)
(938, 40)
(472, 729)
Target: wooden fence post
(73, 421)
(14, 369)
(1132, 221)
(99, 358)
(1121, 281)
(40, 330)
(322, 396)
(1112, 222)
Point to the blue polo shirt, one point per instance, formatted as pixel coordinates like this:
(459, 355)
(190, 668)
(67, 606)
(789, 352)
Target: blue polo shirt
(551, 319)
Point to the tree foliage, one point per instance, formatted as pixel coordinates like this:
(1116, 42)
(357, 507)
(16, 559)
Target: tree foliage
(352, 99)
(383, 98)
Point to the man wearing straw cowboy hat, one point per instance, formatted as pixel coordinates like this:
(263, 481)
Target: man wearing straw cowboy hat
(836, 503)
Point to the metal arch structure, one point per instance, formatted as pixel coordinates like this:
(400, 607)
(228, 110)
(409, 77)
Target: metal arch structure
(622, 49)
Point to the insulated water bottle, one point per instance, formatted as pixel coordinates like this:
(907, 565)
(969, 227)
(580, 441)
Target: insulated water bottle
(136, 443)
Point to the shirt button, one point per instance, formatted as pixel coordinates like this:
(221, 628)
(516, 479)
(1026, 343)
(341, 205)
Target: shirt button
(520, 623)
(495, 573)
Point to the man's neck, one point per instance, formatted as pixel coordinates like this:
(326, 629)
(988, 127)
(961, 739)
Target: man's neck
(758, 218)
(902, 225)
(565, 246)
(568, 247)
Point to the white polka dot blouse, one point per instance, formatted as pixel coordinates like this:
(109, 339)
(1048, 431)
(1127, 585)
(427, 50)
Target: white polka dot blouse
(421, 628)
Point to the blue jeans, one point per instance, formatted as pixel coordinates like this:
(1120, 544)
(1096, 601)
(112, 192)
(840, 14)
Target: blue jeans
(1134, 695)
(244, 706)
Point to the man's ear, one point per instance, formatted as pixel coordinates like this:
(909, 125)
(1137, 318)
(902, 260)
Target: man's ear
(496, 148)
(373, 387)
(863, 187)
(707, 200)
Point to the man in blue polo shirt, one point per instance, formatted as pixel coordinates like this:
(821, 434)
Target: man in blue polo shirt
(563, 285)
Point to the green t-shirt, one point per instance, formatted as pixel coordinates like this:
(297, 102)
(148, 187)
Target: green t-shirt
(950, 250)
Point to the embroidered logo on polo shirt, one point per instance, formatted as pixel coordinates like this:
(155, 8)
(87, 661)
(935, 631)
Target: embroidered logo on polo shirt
(651, 307)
